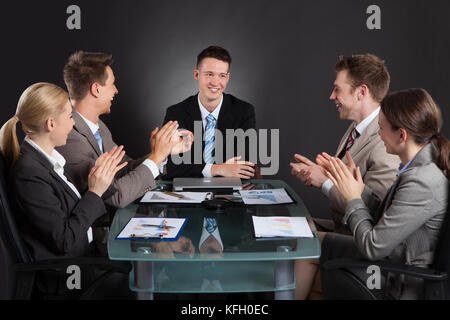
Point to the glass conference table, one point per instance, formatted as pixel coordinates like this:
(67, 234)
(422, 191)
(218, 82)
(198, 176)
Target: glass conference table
(234, 261)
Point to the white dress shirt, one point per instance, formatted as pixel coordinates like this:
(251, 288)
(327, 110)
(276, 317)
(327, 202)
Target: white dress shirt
(58, 162)
(147, 162)
(207, 169)
(327, 185)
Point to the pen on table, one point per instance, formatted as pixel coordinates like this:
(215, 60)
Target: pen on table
(136, 236)
(155, 225)
(173, 194)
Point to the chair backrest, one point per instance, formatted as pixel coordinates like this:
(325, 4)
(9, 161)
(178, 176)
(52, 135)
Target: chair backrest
(12, 247)
(442, 256)
(8, 222)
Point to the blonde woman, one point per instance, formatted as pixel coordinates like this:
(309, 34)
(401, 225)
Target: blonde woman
(53, 218)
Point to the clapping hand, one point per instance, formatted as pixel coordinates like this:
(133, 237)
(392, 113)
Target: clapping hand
(181, 141)
(168, 140)
(104, 170)
(350, 185)
(310, 173)
(324, 159)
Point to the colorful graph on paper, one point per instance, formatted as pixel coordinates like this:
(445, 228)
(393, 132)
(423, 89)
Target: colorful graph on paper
(166, 228)
(281, 227)
(267, 196)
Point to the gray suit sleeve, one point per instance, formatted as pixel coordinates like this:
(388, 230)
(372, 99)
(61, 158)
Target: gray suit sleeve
(379, 176)
(131, 182)
(410, 208)
(131, 186)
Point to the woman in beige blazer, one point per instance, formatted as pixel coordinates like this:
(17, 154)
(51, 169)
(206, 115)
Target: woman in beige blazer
(404, 226)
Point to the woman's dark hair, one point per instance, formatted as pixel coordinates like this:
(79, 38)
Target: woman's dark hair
(416, 112)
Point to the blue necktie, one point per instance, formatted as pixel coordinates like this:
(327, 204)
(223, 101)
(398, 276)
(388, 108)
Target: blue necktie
(98, 137)
(208, 153)
(211, 225)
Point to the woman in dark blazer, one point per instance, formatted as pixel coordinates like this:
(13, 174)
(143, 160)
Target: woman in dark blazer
(53, 218)
(405, 225)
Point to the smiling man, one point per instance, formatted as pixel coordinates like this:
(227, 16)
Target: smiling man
(90, 81)
(362, 81)
(215, 110)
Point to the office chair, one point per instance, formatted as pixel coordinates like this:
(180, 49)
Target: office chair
(19, 278)
(340, 283)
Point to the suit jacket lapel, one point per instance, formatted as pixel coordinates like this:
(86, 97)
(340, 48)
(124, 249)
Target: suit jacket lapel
(192, 114)
(365, 138)
(36, 155)
(387, 199)
(83, 128)
(225, 116)
(361, 141)
(344, 139)
(108, 144)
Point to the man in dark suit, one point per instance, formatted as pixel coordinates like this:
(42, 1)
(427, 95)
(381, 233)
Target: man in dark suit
(211, 112)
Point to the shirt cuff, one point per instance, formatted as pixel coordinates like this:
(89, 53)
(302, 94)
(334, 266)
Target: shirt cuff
(326, 187)
(152, 166)
(207, 170)
(90, 235)
(163, 164)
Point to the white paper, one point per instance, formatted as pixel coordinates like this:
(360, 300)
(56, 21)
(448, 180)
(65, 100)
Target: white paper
(188, 197)
(295, 227)
(266, 196)
(152, 227)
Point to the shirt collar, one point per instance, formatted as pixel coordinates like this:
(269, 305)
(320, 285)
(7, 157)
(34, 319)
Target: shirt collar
(402, 167)
(92, 126)
(205, 112)
(56, 159)
(365, 123)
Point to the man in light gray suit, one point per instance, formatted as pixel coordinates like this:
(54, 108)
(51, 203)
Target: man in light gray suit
(362, 81)
(405, 226)
(90, 81)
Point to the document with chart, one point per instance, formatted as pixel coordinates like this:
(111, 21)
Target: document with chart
(286, 227)
(153, 229)
(266, 196)
(171, 197)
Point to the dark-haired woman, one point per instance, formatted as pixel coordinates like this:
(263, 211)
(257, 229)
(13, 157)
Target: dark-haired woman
(403, 227)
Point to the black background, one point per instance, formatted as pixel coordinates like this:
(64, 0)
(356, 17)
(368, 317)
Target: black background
(283, 57)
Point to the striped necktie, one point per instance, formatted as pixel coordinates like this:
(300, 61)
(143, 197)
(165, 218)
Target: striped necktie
(351, 139)
(211, 225)
(208, 153)
(98, 137)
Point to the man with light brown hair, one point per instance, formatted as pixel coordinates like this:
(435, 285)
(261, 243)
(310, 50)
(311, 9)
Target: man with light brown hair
(362, 81)
(91, 84)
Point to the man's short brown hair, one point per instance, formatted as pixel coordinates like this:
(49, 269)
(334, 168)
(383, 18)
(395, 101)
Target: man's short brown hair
(83, 69)
(366, 69)
(215, 52)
